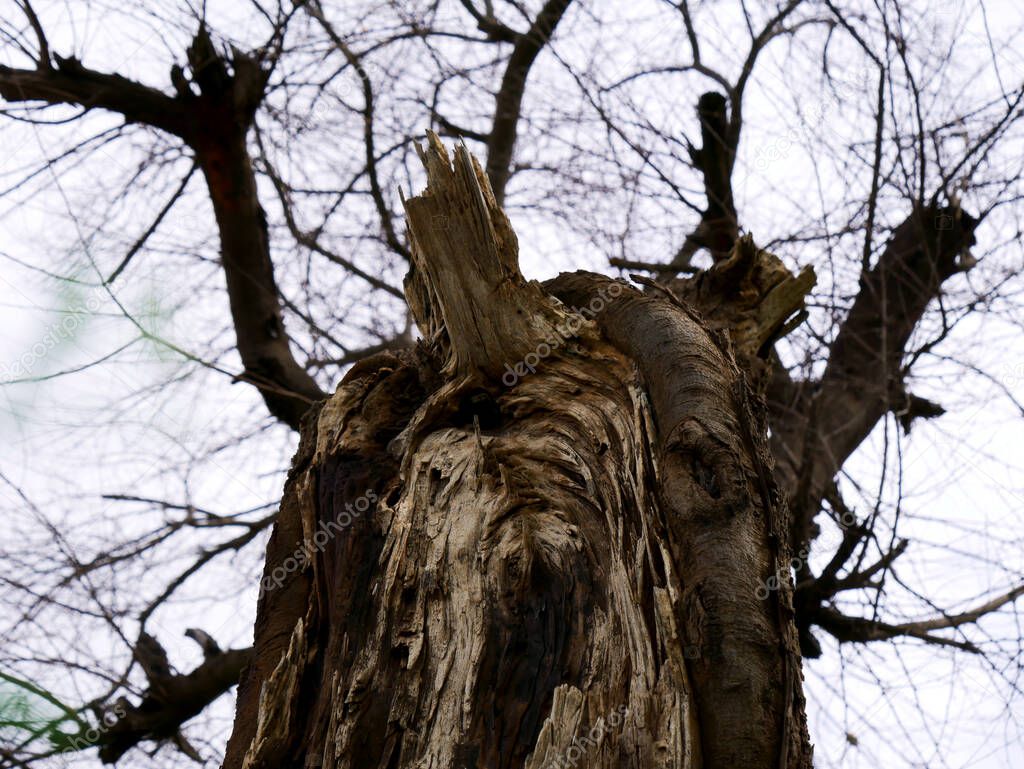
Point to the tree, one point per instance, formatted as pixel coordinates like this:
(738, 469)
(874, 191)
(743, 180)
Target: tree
(587, 544)
(562, 525)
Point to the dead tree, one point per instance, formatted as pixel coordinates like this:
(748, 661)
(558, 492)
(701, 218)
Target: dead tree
(552, 517)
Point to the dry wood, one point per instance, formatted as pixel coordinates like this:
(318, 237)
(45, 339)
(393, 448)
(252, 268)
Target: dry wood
(561, 570)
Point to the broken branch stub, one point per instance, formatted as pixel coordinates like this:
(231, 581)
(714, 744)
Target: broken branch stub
(464, 287)
(752, 296)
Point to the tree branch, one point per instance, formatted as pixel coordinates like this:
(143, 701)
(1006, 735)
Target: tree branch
(718, 227)
(861, 629)
(170, 702)
(864, 378)
(215, 123)
(141, 240)
(508, 103)
(71, 83)
(44, 45)
(225, 109)
(376, 193)
(489, 25)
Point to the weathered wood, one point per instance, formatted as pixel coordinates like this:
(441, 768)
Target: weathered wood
(548, 533)
(751, 296)
(465, 287)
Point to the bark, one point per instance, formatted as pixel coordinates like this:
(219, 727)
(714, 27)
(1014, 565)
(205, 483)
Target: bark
(539, 539)
(220, 116)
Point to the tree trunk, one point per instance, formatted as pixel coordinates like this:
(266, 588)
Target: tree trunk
(548, 537)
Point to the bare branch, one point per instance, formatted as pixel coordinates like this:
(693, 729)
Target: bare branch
(390, 236)
(141, 241)
(161, 714)
(863, 378)
(509, 101)
(44, 45)
(864, 630)
(71, 83)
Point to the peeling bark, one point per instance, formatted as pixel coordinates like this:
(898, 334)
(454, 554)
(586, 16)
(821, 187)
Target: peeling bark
(558, 567)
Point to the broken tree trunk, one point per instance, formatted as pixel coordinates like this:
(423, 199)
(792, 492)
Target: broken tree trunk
(542, 539)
